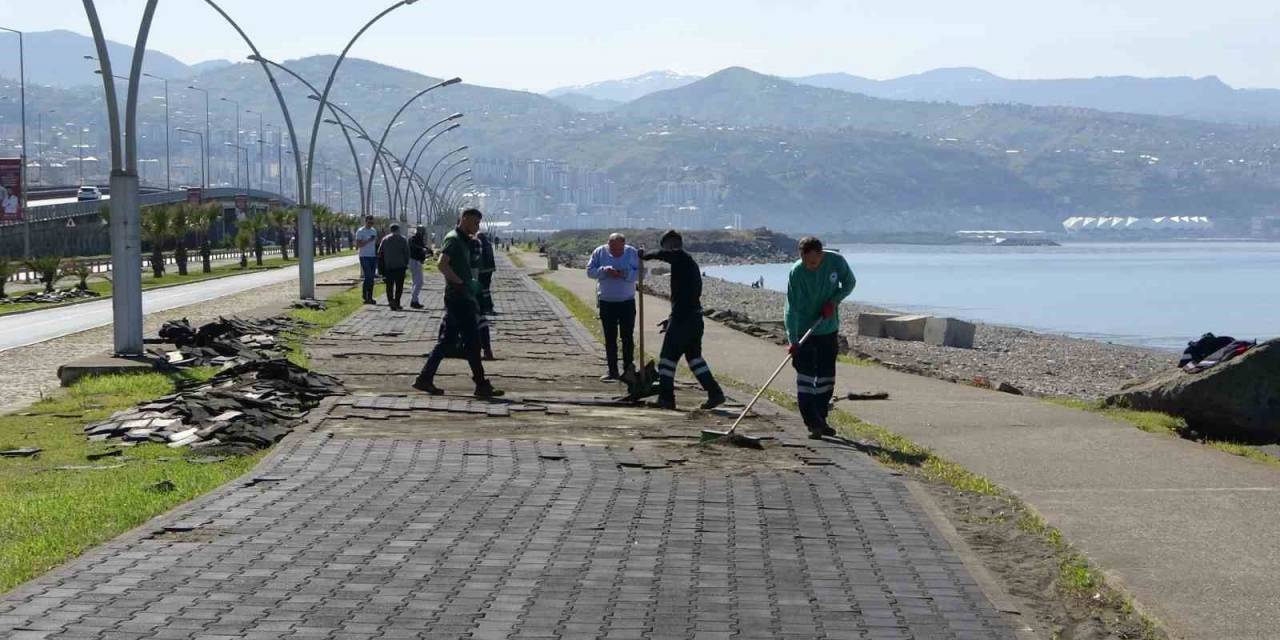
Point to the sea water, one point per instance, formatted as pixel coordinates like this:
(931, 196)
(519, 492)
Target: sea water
(1147, 294)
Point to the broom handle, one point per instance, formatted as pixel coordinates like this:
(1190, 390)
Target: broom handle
(640, 303)
(768, 382)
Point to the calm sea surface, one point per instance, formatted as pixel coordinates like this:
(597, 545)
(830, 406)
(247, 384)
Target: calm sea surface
(1148, 294)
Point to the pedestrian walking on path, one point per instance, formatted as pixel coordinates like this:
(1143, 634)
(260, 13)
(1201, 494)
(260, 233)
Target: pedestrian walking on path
(615, 267)
(367, 244)
(461, 308)
(419, 251)
(485, 266)
(820, 280)
(684, 327)
(393, 259)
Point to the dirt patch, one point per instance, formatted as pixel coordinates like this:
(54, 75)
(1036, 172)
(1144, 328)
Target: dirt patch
(1031, 569)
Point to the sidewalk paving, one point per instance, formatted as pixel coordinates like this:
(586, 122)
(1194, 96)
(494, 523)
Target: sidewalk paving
(1188, 530)
(551, 513)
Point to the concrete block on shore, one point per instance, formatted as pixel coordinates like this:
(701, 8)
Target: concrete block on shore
(69, 373)
(908, 328)
(949, 332)
(553, 262)
(871, 325)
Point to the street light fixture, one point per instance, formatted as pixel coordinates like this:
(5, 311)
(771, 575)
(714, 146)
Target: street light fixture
(387, 131)
(126, 239)
(262, 175)
(306, 228)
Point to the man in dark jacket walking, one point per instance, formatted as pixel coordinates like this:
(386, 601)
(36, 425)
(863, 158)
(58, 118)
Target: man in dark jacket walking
(461, 309)
(684, 327)
(393, 256)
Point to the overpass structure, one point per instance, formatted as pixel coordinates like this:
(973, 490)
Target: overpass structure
(65, 227)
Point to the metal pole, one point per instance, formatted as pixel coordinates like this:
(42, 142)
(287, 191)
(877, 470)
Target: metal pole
(126, 240)
(168, 175)
(208, 140)
(262, 163)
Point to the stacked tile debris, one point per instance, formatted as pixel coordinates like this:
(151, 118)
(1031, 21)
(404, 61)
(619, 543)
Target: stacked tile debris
(224, 342)
(253, 402)
(61, 295)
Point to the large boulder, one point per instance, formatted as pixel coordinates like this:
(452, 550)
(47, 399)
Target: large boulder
(1240, 397)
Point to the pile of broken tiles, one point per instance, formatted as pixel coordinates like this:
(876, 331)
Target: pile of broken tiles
(253, 402)
(56, 296)
(223, 342)
(246, 407)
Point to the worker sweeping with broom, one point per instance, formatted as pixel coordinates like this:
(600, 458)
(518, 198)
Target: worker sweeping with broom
(684, 327)
(820, 280)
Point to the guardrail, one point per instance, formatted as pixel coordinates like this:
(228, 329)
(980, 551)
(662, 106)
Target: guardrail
(89, 207)
(101, 266)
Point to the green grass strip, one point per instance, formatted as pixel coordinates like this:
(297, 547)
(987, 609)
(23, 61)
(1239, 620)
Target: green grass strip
(49, 515)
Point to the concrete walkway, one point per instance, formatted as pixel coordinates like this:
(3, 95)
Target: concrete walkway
(554, 512)
(1188, 530)
(22, 329)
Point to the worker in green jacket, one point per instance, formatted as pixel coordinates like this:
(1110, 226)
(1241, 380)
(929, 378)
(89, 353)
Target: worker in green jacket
(820, 280)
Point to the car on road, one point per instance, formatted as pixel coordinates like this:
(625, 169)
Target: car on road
(88, 193)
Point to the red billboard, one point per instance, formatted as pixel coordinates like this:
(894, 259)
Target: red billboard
(195, 195)
(11, 189)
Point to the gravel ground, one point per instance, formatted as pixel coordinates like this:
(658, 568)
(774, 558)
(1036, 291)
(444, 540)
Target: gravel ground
(1037, 364)
(28, 373)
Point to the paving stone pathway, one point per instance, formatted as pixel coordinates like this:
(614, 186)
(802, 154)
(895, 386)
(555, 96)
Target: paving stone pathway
(552, 513)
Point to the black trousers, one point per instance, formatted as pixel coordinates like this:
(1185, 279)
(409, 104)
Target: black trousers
(486, 296)
(684, 338)
(461, 321)
(619, 316)
(394, 278)
(815, 365)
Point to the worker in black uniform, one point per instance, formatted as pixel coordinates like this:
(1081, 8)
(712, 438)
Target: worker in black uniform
(483, 263)
(684, 327)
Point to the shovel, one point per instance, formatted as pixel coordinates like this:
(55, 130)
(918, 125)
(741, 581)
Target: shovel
(731, 435)
(644, 382)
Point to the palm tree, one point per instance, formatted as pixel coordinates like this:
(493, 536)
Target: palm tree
(257, 224)
(7, 269)
(281, 221)
(157, 226)
(244, 240)
(320, 217)
(80, 269)
(182, 224)
(207, 216)
(46, 267)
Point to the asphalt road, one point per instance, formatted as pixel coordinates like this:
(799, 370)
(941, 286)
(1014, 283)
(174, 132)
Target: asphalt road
(30, 328)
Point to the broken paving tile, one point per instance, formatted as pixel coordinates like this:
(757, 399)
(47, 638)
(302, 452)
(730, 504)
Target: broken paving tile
(20, 453)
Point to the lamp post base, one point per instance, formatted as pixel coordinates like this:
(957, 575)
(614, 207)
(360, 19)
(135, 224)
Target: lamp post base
(126, 265)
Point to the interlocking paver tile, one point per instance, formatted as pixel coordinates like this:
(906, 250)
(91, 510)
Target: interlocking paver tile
(407, 516)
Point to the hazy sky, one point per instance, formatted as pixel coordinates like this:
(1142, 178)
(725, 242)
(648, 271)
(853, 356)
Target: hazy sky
(541, 44)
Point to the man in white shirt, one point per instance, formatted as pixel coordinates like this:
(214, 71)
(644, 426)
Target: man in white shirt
(367, 244)
(615, 267)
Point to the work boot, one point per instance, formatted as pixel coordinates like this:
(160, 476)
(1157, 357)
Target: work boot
(713, 400)
(665, 403)
(415, 305)
(612, 376)
(427, 387)
(485, 390)
(820, 432)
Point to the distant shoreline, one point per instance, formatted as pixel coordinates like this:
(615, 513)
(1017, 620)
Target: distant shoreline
(1040, 364)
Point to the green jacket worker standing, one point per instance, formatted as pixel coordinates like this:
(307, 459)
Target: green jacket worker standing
(820, 280)
(461, 308)
(684, 327)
